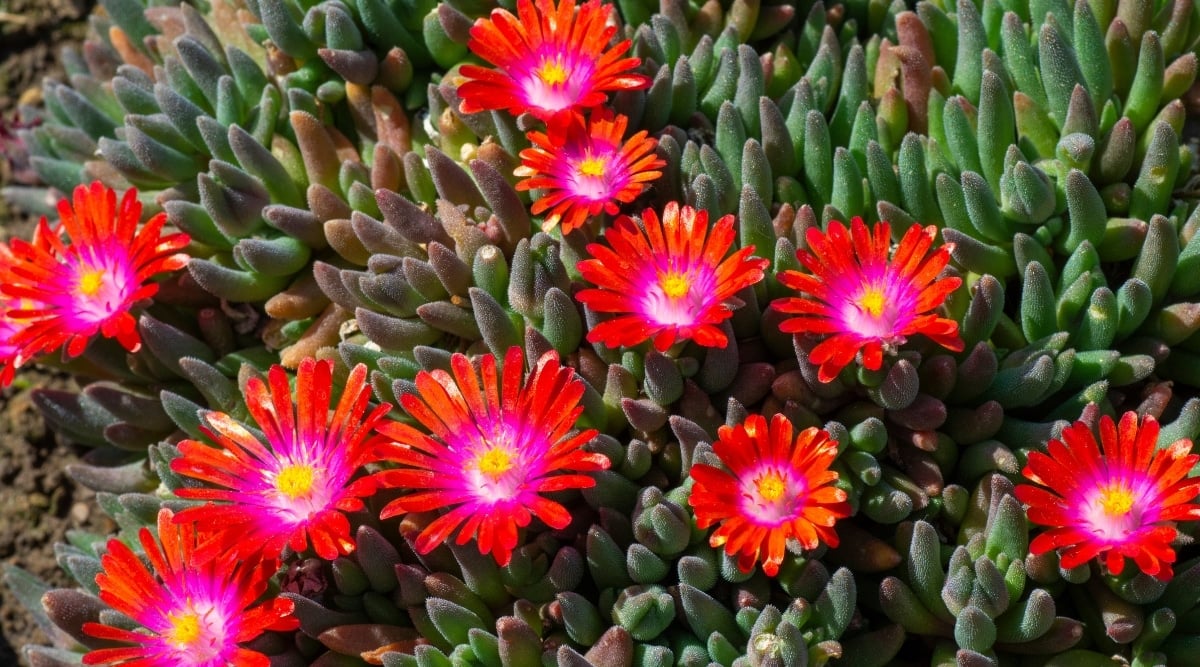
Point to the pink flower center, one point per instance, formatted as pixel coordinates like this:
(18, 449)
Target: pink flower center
(101, 289)
(591, 178)
(871, 301)
(295, 480)
(1112, 509)
(1116, 502)
(552, 72)
(592, 166)
(301, 487)
(496, 471)
(873, 311)
(185, 629)
(91, 282)
(495, 462)
(556, 82)
(771, 487)
(677, 297)
(675, 285)
(197, 637)
(770, 496)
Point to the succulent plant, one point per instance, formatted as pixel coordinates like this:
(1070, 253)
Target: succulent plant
(520, 332)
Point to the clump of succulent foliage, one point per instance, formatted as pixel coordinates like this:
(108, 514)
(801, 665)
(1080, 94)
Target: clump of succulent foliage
(535, 332)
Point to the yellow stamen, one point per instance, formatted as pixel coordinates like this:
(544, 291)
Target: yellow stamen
(495, 462)
(592, 166)
(90, 282)
(872, 302)
(771, 487)
(295, 480)
(675, 285)
(185, 629)
(552, 73)
(1116, 501)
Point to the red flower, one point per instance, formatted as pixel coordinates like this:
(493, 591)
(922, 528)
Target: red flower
(194, 612)
(549, 59)
(84, 276)
(774, 488)
(496, 444)
(584, 169)
(864, 301)
(671, 280)
(296, 486)
(10, 326)
(1116, 501)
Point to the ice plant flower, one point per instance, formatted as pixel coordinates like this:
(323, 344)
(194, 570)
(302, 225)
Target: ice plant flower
(1114, 501)
(672, 280)
(495, 444)
(549, 59)
(583, 168)
(293, 488)
(774, 488)
(10, 326)
(194, 612)
(84, 276)
(864, 301)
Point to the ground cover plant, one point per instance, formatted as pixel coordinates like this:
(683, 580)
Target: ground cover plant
(482, 332)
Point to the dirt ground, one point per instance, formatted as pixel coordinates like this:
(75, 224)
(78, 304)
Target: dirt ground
(38, 502)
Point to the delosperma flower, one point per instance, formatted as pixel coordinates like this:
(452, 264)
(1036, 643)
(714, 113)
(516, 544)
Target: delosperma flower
(862, 301)
(670, 280)
(84, 276)
(194, 612)
(10, 325)
(549, 59)
(775, 486)
(294, 488)
(1114, 501)
(497, 441)
(583, 169)
(9, 328)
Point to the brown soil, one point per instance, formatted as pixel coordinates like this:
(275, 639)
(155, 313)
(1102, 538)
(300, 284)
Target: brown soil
(32, 29)
(38, 502)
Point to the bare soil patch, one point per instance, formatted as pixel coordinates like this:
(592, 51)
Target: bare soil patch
(38, 502)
